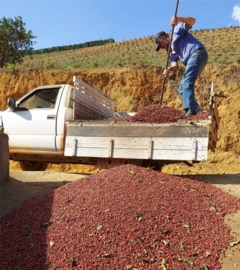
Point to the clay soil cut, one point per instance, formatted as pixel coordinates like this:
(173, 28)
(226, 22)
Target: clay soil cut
(124, 218)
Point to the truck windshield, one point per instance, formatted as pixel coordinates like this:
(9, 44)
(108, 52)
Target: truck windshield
(44, 98)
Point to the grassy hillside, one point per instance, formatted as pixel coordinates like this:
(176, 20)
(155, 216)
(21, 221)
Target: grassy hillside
(222, 45)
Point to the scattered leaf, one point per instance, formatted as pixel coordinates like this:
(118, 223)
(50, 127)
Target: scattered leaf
(100, 227)
(163, 264)
(208, 253)
(234, 243)
(205, 267)
(52, 243)
(138, 217)
(187, 260)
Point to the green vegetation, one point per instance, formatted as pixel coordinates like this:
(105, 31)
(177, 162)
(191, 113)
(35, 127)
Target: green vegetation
(75, 46)
(11, 67)
(138, 52)
(15, 41)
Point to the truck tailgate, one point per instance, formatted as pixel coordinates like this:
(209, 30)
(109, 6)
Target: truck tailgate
(104, 139)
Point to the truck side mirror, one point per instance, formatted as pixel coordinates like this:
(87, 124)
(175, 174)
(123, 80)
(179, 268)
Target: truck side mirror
(11, 104)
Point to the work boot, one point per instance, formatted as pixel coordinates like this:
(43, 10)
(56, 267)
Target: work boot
(199, 111)
(188, 114)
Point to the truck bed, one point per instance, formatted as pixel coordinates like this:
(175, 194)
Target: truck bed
(179, 141)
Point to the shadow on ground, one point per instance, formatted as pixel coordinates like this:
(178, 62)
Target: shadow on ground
(21, 217)
(23, 186)
(216, 179)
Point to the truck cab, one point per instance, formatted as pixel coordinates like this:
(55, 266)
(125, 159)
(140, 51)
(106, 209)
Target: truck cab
(35, 122)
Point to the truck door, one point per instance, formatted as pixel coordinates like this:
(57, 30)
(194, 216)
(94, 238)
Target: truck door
(32, 127)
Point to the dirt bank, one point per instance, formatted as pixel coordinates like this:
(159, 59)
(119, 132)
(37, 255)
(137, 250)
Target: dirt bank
(133, 88)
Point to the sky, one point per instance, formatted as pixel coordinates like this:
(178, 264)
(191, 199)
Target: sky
(67, 22)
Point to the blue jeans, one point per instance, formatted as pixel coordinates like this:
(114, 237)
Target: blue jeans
(195, 66)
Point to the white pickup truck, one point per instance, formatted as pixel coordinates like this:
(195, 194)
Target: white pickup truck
(67, 124)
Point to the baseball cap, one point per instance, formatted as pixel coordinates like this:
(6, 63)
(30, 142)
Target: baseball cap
(158, 37)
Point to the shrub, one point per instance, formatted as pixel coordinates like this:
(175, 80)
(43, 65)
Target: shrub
(142, 62)
(94, 64)
(76, 65)
(238, 60)
(129, 59)
(119, 63)
(11, 67)
(49, 65)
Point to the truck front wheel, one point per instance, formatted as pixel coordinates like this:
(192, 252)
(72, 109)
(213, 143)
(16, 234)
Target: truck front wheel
(33, 166)
(109, 163)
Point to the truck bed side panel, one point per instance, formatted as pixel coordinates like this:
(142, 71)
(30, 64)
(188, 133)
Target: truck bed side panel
(137, 142)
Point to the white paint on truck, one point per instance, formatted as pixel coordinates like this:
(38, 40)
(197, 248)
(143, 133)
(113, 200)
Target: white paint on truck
(37, 125)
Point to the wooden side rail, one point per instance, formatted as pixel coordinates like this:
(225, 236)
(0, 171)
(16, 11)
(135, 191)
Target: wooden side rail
(94, 94)
(89, 104)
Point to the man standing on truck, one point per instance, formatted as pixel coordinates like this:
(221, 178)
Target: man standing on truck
(191, 52)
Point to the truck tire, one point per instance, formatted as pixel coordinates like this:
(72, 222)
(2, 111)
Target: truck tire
(109, 163)
(33, 166)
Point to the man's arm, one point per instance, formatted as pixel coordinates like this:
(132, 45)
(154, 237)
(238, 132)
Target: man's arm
(190, 21)
(174, 67)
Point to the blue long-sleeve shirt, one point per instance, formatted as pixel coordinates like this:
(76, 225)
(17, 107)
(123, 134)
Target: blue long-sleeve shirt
(184, 44)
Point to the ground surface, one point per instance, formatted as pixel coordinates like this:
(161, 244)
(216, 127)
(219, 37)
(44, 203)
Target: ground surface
(231, 184)
(23, 186)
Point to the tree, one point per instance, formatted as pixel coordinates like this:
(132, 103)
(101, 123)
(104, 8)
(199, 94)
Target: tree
(15, 41)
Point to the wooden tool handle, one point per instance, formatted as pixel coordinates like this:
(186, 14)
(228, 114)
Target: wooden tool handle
(169, 50)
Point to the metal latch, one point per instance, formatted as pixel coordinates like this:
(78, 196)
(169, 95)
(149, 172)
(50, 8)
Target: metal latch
(150, 149)
(74, 147)
(194, 150)
(110, 149)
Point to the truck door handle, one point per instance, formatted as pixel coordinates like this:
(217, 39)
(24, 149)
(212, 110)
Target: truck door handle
(51, 116)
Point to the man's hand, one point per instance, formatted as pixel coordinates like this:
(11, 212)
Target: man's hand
(190, 21)
(174, 20)
(166, 73)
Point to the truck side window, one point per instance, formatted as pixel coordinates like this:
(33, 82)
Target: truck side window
(45, 98)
